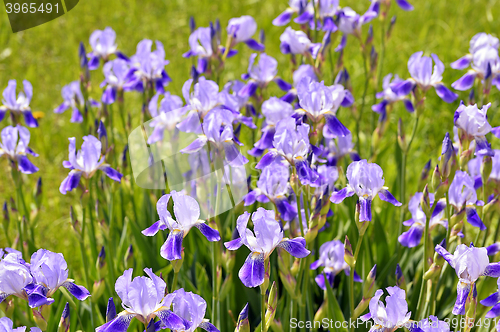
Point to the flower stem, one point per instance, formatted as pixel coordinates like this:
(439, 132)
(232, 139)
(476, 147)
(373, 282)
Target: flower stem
(351, 275)
(263, 311)
(174, 282)
(363, 100)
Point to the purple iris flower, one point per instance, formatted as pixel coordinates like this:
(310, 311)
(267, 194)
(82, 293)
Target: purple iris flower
(431, 324)
(148, 67)
(15, 275)
(73, 99)
(493, 301)
(191, 308)
(391, 316)
(241, 29)
(337, 147)
(85, 162)
(6, 325)
(469, 263)
(165, 118)
(204, 97)
(103, 45)
(200, 42)
(389, 97)
(304, 72)
(478, 42)
(295, 6)
(261, 74)
(495, 171)
(14, 146)
(20, 105)
(474, 124)
(273, 186)
(187, 215)
(331, 257)
(462, 195)
(350, 23)
(403, 4)
(326, 10)
(274, 110)
(423, 76)
(297, 42)
(412, 237)
(267, 235)
(50, 271)
(115, 78)
(366, 181)
(143, 298)
(220, 133)
(318, 101)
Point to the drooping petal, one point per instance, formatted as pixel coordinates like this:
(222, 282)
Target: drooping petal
(412, 237)
(473, 218)
(29, 119)
(295, 247)
(207, 231)
(119, 324)
(172, 248)
(80, 292)
(267, 159)
(70, 182)
(154, 228)
(196, 145)
(365, 210)
(444, 93)
(338, 196)
(465, 82)
(491, 300)
(37, 295)
(463, 290)
(405, 5)
(492, 270)
(172, 321)
(336, 126)
(111, 172)
(252, 272)
(25, 165)
(255, 45)
(209, 327)
(445, 254)
(233, 244)
(283, 18)
(385, 195)
(462, 63)
(494, 312)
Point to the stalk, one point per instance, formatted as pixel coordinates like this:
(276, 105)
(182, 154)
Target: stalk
(363, 100)
(263, 310)
(351, 275)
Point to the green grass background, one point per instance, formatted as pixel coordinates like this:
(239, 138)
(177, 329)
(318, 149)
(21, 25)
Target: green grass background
(47, 56)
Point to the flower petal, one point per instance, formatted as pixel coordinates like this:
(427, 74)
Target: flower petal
(252, 272)
(463, 290)
(385, 195)
(295, 247)
(119, 324)
(207, 231)
(338, 196)
(172, 248)
(80, 292)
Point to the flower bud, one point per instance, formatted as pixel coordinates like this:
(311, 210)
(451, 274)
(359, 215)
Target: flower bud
(436, 179)
(110, 310)
(65, 319)
(361, 308)
(38, 192)
(348, 255)
(243, 324)
(98, 289)
(6, 217)
(369, 285)
(192, 24)
(400, 278)
(486, 167)
(262, 36)
(369, 36)
(425, 202)
(322, 311)
(40, 321)
(391, 26)
(373, 60)
(7, 306)
(103, 137)
(124, 158)
(272, 304)
(424, 175)
(129, 257)
(101, 262)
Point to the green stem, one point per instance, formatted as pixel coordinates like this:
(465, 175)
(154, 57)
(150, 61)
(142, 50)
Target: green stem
(351, 276)
(424, 269)
(363, 101)
(263, 311)
(299, 209)
(174, 282)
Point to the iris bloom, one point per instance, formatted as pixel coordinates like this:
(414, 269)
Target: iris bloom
(303, 72)
(73, 99)
(241, 29)
(103, 45)
(424, 77)
(261, 74)
(267, 235)
(412, 237)
(85, 162)
(431, 324)
(166, 117)
(15, 147)
(350, 23)
(462, 195)
(365, 180)
(6, 325)
(20, 105)
(294, 6)
(143, 298)
(297, 42)
(191, 308)
(15, 275)
(50, 271)
(326, 11)
(477, 43)
(115, 78)
(339, 147)
(331, 257)
(474, 124)
(493, 301)
(469, 263)
(390, 97)
(391, 316)
(187, 214)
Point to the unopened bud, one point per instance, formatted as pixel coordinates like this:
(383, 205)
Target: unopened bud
(400, 278)
(103, 137)
(424, 175)
(192, 24)
(272, 304)
(486, 167)
(425, 202)
(129, 257)
(40, 321)
(369, 285)
(98, 289)
(436, 179)
(65, 319)
(348, 255)
(262, 36)
(243, 325)
(101, 260)
(391, 26)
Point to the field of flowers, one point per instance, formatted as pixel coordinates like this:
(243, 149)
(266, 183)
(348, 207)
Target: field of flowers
(339, 161)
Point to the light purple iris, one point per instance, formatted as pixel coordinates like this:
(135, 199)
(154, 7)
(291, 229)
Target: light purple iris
(424, 77)
(331, 257)
(366, 181)
(200, 43)
(477, 43)
(85, 163)
(187, 215)
(14, 276)
(412, 237)
(103, 45)
(148, 67)
(274, 110)
(297, 42)
(294, 6)
(166, 117)
(390, 97)
(326, 10)
(6, 325)
(20, 105)
(73, 99)
(350, 22)
(191, 308)
(143, 298)
(273, 186)
(267, 235)
(431, 324)
(50, 271)
(469, 263)
(462, 195)
(304, 72)
(220, 133)
(318, 101)
(241, 29)
(261, 74)
(493, 301)
(337, 147)
(14, 146)
(115, 78)
(474, 124)
(391, 316)
(403, 4)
